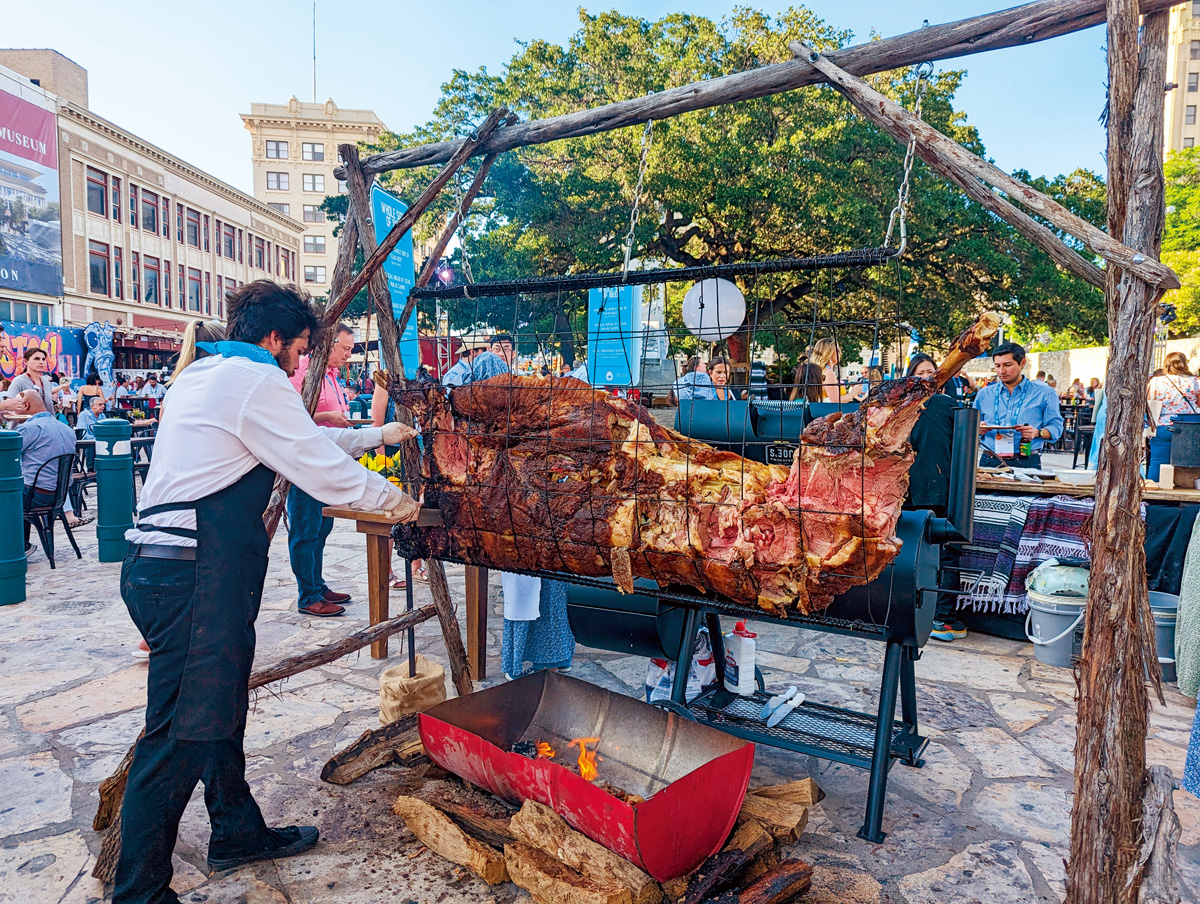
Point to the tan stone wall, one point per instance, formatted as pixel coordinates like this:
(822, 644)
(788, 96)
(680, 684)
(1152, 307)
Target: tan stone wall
(52, 71)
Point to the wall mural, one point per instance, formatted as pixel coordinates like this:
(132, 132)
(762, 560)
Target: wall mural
(100, 357)
(64, 348)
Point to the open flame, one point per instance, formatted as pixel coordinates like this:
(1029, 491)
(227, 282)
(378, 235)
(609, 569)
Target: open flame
(544, 750)
(587, 758)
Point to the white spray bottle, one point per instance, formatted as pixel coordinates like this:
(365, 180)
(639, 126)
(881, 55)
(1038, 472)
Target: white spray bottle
(739, 660)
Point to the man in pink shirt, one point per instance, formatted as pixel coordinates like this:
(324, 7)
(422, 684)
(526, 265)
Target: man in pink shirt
(308, 528)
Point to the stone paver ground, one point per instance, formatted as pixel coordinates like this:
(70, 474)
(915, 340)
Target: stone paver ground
(985, 819)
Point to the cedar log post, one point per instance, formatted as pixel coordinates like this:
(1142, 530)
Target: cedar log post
(1016, 27)
(1118, 644)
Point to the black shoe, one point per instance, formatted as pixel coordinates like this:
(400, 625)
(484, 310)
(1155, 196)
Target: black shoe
(284, 843)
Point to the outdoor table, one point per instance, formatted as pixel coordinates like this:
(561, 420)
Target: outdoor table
(1150, 492)
(378, 530)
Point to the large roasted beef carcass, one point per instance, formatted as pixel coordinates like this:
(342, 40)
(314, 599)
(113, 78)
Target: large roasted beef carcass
(539, 474)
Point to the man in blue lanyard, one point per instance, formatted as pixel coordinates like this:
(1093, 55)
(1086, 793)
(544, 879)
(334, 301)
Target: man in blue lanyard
(1018, 416)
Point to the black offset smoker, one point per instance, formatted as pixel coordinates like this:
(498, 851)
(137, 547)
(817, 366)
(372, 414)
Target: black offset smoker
(896, 609)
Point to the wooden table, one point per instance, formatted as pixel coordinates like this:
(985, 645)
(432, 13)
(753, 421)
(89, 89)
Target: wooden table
(1151, 493)
(378, 530)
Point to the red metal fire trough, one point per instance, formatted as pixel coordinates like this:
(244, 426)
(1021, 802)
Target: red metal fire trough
(693, 777)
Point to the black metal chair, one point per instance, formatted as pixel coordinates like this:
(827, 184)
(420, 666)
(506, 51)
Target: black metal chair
(83, 475)
(41, 515)
(1082, 440)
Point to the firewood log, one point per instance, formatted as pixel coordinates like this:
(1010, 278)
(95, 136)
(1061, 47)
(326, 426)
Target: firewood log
(766, 861)
(478, 814)
(723, 869)
(540, 827)
(439, 833)
(804, 792)
(789, 880)
(783, 819)
(373, 749)
(551, 882)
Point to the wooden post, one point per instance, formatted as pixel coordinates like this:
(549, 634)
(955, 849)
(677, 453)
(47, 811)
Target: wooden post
(477, 619)
(1118, 645)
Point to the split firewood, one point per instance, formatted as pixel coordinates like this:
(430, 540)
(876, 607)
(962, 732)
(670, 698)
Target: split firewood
(551, 882)
(536, 825)
(723, 869)
(767, 861)
(789, 880)
(439, 833)
(478, 814)
(804, 792)
(783, 819)
(381, 747)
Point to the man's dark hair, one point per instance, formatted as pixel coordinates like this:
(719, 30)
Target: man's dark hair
(344, 327)
(93, 379)
(503, 337)
(1010, 348)
(153, 378)
(263, 307)
(32, 350)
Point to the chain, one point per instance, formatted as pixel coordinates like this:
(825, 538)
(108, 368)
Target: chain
(899, 212)
(647, 139)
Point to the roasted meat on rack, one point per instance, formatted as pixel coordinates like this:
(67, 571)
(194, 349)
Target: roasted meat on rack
(548, 475)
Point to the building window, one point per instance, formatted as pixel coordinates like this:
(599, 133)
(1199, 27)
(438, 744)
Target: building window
(1189, 115)
(259, 262)
(314, 182)
(118, 290)
(98, 267)
(116, 199)
(229, 240)
(314, 244)
(282, 208)
(193, 228)
(166, 284)
(287, 266)
(150, 275)
(1193, 81)
(179, 222)
(133, 205)
(1195, 9)
(182, 287)
(207, 293)
(220, 293)
(313, 213)
(268, 259)
(277, 150)
(1189, 142)
(241, 257)
(277, 181)
(193, 289)
(1195, 50)
(97, 192)
(343, 188)
(206, 248)
(25, 313)
(314, 275)
(313, 151)
(149, 213)
(135, 276)
(166, 218)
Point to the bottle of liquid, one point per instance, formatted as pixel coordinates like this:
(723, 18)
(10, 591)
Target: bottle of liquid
(739, 660)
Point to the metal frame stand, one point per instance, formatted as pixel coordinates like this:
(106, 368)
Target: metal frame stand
(844, 736)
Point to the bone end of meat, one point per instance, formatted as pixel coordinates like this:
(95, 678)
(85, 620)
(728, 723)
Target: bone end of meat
(622, 569)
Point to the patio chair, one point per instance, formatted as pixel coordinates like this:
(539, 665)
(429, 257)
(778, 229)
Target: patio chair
(42, 516)
(1082, 440)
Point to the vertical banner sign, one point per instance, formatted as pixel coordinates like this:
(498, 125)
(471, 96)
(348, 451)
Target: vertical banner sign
(614, 332)
(386, 212)
(30, 221)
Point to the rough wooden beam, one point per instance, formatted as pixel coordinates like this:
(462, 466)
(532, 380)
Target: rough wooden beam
(550, 882)
(438, 832)
(1118, 639)
(540, 827)
(373, 749)
(1160, 839)
(949, 158)
(1015, 27)
(786, 882)
(460, 670)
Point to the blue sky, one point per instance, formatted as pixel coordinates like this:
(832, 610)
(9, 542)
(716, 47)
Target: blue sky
(179, 74)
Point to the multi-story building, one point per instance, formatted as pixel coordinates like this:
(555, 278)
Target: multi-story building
(150, 242)
(295, 153)
(1183, 69)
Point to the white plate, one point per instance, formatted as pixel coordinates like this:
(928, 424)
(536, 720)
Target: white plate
(1077, 478)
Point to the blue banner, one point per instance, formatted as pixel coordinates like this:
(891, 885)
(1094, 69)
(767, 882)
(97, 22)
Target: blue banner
(386, 212)
(64, 348)
(614, 354)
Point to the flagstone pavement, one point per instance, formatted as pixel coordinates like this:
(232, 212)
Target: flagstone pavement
(986, 819)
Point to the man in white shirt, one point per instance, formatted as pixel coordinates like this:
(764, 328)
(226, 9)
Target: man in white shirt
(153, 392)
(193, 578)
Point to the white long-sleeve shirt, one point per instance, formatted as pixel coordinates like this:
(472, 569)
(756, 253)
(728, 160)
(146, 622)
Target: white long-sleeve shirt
(226, 415)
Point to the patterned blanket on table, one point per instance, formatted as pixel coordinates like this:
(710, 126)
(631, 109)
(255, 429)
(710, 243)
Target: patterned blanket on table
(987, 562)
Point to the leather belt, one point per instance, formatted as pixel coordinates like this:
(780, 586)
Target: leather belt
(163, 551)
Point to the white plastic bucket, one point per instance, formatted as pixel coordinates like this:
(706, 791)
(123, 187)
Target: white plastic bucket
(1165, 608)
(1054, 626)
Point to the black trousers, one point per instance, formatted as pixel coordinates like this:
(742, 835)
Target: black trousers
(164, 772)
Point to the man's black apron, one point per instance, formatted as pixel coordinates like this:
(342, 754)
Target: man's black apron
(231, 565)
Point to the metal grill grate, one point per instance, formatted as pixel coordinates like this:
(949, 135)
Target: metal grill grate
(827, 731)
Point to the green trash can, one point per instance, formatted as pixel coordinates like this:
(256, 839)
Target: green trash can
(12, 534)
(114, 487)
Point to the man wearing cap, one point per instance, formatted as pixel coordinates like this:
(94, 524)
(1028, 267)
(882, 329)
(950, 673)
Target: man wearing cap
(472, 347)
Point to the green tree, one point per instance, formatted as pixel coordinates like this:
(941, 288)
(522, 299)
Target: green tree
(1181, 238)
(791, 175)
